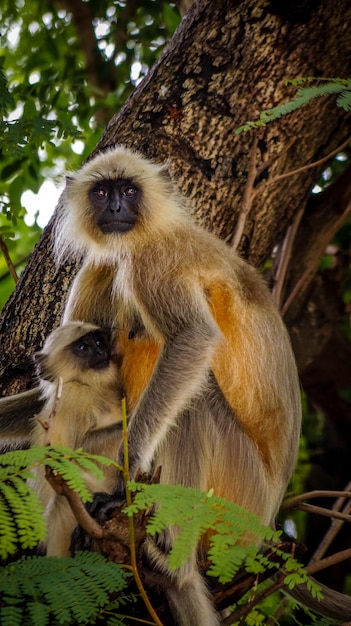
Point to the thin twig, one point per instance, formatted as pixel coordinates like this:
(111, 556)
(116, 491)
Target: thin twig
(317, 493)
(248, 195)
(338, 557)
(310, 269)
(309, 166)
(133, 557)
(319, 510)
(335, 526)
(245, 609)
(285, 255)
(286, 250)
(10, 265)
(265, 164)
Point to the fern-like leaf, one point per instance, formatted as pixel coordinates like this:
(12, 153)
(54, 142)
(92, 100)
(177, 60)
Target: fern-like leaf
(236, 532)
(21, 516)
(323, 87)
(58, 591)
(193, 513)
(344, 100)
(22, 521)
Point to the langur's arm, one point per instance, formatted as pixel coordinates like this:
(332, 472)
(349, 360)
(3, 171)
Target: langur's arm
(190, 338)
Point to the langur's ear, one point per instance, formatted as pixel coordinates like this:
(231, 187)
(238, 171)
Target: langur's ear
(164, 173)
(41, 361)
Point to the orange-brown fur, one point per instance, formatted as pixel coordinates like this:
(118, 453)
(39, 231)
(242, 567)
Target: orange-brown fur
(138, 360)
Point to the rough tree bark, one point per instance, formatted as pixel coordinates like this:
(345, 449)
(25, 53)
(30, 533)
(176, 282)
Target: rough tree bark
(228, 61)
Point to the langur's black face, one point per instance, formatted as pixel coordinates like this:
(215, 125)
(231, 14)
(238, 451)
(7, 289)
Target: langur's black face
(93, 349)
(115, 203)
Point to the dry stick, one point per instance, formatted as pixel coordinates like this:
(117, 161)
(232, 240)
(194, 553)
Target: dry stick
(298, 503)
(133, 558)
(245, 609)
(7, 257)
(338, 557)
(335, 526)
(310, 570)
(316, 563)
(250, 192)
(310, 269)
(285, 256)
(304, 168)
(292, 230)
(317, 493)
(248, 195)
(265, 164)
(319, 510)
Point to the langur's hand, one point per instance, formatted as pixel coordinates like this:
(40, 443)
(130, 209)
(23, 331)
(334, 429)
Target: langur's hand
(101, 509)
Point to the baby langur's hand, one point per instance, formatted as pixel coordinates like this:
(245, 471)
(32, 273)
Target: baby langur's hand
(101, 509)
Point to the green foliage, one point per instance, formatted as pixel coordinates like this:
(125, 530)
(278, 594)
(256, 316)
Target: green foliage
(41, 591)
(49, 99)
(322, 87)
(21, 513)
(194, 513)
(6, 99)
(21, 138)
(294, 614)
(20, 240)
(29, 133)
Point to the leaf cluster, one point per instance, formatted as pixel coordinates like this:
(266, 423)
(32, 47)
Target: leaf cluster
(53, 103)
(321, 87)
(234, 532)
(22, 521)
(42, 591)
(49, 97)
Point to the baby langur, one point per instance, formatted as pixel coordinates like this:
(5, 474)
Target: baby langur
(87, 415)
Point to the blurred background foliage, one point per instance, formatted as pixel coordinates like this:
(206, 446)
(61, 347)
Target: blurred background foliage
(64, 73)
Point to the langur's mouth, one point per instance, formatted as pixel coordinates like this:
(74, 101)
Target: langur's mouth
(103, 364)
(116, 227)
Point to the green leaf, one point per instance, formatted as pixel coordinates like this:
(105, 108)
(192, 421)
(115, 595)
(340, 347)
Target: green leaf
(58, 591)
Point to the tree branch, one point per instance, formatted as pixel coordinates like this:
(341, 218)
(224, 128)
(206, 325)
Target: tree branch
(4, 249)
(305, 168)
(335, 526)
(248, 195)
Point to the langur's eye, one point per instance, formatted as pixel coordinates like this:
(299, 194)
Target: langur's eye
(101, 192)
(83, 346)
(129, 191)
(100, 343)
